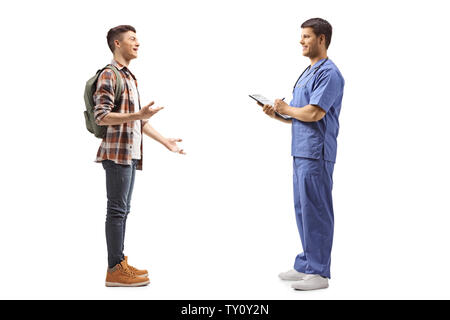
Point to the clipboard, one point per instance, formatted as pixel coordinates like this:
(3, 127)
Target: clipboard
(263, 100)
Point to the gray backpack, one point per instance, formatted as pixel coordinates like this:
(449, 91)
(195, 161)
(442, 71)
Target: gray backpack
(91, 86)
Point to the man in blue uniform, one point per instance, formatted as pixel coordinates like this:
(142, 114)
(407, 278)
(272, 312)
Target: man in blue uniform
(314, 112)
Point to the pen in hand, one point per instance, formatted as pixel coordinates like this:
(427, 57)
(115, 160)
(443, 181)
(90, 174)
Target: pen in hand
(281, 100)
(276, 111)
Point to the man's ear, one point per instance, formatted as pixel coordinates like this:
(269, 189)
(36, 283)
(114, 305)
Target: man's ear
(322, 39)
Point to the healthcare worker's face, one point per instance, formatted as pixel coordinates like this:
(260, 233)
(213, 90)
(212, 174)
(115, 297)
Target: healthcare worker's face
(310, 43)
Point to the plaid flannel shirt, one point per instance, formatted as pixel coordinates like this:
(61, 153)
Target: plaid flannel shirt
(118, 142)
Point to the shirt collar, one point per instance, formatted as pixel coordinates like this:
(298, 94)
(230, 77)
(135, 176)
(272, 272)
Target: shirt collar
(117, 64)
(120, 66)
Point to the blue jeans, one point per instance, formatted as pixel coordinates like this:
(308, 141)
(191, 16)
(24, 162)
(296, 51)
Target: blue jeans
(119, 187)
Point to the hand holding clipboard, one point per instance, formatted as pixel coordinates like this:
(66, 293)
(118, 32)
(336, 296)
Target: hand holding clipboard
(267, 105)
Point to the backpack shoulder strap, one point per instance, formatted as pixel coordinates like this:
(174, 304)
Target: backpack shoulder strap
(119, 85)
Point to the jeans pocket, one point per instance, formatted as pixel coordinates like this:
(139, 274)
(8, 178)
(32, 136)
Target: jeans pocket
(107, 164)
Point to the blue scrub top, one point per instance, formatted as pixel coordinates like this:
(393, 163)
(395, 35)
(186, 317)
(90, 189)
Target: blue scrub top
(323, 88)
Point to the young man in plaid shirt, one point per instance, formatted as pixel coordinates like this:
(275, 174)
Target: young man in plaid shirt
(120, 151)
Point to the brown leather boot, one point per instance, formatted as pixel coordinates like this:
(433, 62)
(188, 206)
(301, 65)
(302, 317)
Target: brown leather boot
(122, 276)
(139, 273)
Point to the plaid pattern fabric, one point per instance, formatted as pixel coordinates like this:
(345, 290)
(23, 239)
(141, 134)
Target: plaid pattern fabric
(117, 144)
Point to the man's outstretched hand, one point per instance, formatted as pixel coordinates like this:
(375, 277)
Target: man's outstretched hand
(171, 144)
(147, 111)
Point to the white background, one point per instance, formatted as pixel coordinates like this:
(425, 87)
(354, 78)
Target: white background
(219, 222)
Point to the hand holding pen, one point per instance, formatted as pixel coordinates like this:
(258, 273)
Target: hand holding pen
(280, 106)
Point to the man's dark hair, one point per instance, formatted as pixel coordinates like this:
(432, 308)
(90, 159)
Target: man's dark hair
(320, 26)
(116, 34)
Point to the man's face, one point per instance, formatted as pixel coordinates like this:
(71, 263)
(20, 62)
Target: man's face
(129, 45)
(310, 43)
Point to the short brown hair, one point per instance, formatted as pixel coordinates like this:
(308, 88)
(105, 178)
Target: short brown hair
(320, 26)
(116, 34)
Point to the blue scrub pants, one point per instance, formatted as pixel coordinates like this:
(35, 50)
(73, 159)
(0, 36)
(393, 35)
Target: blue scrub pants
(313, 182)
